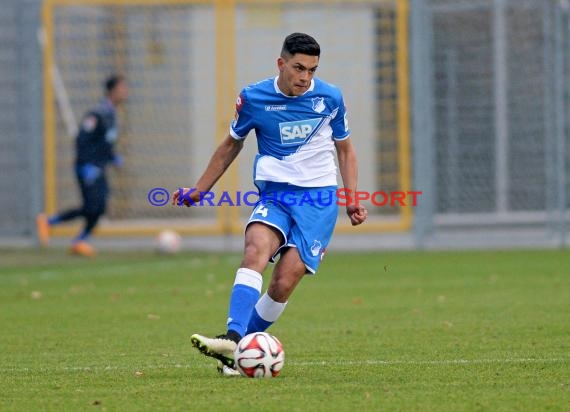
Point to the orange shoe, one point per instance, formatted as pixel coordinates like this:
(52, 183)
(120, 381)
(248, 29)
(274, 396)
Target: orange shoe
(82, 248)
(42, 228)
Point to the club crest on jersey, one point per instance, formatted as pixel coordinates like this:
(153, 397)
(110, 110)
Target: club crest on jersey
(316, 248)
(89, 123)
(298, 131)
(318, 104)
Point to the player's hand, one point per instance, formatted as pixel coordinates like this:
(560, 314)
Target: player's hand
(185, 196)
(357, 214)
(89, 173)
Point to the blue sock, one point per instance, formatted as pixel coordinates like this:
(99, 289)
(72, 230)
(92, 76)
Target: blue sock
(265, 313)
(245, 293)
(54, 220)
(257, 323)
(81, 237)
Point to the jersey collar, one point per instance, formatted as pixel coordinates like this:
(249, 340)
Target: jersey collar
(278, 90)
(107, 105)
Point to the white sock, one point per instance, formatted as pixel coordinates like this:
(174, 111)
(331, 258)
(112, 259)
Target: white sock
(268, 309)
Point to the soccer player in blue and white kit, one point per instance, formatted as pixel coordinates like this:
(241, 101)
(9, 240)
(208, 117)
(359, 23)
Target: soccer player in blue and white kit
(300, 121)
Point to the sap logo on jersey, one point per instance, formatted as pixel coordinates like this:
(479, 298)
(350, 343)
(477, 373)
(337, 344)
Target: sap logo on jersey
(298, 131)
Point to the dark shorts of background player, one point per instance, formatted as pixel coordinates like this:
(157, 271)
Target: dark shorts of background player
(93, 195)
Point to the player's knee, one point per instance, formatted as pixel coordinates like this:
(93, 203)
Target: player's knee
(255, 255)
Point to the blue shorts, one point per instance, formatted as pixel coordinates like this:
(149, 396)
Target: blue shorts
(306, 218)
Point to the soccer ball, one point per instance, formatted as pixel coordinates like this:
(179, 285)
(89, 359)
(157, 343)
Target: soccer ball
(168, 242)
(259, 355)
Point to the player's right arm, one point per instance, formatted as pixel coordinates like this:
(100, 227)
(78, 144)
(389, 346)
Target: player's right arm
(222, 158)
(224, 155)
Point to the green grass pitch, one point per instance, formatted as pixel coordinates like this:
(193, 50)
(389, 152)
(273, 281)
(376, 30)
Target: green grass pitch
(388, 331)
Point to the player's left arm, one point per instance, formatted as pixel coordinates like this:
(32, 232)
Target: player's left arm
(348, 166)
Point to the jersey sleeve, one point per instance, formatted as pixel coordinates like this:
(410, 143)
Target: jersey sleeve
(243, 118)
(339, 123)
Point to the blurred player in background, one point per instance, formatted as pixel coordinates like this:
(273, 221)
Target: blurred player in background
(94, 151)
(299, 121)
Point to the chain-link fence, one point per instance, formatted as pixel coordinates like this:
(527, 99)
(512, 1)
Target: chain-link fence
(490, 117)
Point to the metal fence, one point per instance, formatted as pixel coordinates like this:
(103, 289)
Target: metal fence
(490, 109)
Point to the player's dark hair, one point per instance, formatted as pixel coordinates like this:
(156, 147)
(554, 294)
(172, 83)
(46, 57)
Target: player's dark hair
(112, 81)
(300, 43)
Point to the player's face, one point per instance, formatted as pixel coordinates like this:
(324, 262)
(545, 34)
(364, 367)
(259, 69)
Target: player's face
(120, 93)
(296, 73)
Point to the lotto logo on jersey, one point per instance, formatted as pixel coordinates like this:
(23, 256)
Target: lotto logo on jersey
(297, 132)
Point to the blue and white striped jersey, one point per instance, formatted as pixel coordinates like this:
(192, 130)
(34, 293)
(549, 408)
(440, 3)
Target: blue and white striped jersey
(294, 133)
